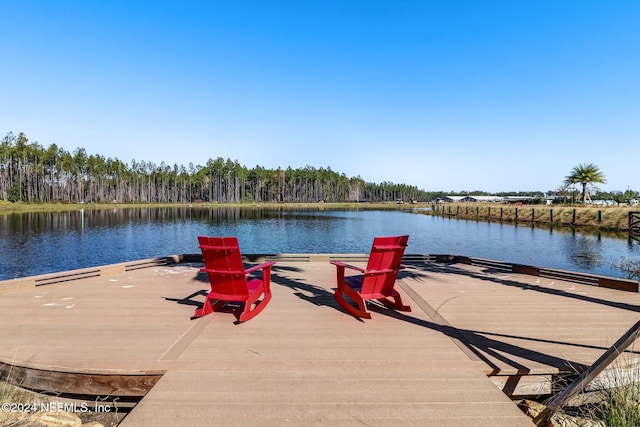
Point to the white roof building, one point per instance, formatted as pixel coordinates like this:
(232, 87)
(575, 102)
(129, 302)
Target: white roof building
(473, 199)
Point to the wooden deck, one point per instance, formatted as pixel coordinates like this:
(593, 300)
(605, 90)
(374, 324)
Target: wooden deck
(472, 332)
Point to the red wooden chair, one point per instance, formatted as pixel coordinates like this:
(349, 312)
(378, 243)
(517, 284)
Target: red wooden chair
(228, 278)
(377, 281)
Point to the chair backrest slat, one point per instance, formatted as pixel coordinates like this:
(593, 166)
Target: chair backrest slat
(222, 257)
(386, 254)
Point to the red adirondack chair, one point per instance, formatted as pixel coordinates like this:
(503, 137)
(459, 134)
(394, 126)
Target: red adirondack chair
(228, 278)
(377, 281)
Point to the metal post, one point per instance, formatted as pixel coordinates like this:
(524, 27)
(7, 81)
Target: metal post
(587, 376)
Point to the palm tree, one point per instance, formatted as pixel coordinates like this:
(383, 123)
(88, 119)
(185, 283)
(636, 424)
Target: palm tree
(585, 174)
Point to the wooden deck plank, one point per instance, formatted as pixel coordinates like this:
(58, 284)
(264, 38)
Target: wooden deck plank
(517, 321)
(303, 360)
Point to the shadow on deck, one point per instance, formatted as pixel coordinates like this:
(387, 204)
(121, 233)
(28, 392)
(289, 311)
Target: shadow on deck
(122, 332)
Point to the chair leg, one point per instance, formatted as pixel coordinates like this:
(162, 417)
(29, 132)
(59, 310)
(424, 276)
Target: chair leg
(207, 308)
(361, 311)
(396, 304)
(248, 312)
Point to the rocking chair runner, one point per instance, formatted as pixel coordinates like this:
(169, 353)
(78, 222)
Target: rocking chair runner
(377, 281)
(228, 278)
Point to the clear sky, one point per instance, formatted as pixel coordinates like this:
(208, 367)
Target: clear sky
(446, 95)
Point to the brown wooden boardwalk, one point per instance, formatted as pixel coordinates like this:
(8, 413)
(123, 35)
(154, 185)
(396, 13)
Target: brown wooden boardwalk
(303, 361)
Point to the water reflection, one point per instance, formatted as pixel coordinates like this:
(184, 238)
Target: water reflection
(36, 243)
(584, 252)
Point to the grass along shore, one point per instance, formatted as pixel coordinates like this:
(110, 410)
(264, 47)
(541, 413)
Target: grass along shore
(19, 207)
(609, 218)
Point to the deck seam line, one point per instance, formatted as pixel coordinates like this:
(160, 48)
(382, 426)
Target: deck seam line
(438, 319)
(178, 347)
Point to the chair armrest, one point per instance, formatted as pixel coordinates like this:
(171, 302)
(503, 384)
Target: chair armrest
(343, 265)
(210, 270)
(262, 266)
(383, 271)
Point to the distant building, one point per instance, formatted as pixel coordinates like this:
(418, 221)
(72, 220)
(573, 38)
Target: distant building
(473, 199)
(489, 199)
(454, 198)
(485, 199)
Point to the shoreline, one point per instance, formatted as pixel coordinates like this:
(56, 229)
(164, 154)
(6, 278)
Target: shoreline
(604, 218)
(19, 207)
(598, 218)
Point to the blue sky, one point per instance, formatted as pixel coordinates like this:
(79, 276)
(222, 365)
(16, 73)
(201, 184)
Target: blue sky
(446, 95)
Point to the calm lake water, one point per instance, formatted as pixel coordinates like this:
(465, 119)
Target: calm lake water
(38, 243)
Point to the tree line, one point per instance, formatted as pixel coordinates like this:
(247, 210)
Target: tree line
(32, 173)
